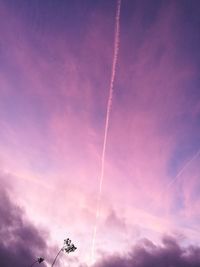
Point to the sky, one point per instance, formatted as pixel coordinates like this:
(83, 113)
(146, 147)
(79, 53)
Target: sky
(56, 65)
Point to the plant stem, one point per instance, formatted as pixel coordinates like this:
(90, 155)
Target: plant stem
(56, 257)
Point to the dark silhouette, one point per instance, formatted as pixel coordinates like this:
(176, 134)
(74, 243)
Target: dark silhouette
(39, 260)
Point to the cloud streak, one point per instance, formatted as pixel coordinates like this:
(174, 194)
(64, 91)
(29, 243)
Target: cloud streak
(109, 106)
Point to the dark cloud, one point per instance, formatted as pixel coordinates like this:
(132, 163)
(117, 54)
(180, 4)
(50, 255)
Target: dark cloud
(21, 242)
(147, 254)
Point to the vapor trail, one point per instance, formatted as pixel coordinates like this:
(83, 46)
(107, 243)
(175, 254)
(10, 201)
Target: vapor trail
(183, 169)
(109, 105)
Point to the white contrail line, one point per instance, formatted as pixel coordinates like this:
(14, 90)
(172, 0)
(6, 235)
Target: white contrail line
(183, 169)
(185, 166)
(109, 105)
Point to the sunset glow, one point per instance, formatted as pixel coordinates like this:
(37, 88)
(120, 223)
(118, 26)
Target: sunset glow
(56, 70)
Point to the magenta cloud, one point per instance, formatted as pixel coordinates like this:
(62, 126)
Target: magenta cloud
(146, 254)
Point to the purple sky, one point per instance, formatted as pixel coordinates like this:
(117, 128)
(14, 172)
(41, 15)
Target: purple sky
(55, 70)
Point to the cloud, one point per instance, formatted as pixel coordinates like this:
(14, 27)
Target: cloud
(21, 241)
(114, 221)
(147, 254)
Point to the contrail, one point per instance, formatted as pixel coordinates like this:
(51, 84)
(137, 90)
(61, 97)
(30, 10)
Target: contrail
(109, 105)
(183, 169)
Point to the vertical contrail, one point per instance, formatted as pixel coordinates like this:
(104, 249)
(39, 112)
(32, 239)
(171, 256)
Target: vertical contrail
(109, 105)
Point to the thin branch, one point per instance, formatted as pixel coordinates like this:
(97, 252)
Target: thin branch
(56, 257)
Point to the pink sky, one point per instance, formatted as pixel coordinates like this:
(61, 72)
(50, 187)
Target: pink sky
(55, 72)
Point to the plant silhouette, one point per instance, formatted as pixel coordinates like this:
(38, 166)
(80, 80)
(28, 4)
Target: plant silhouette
(67, 247)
